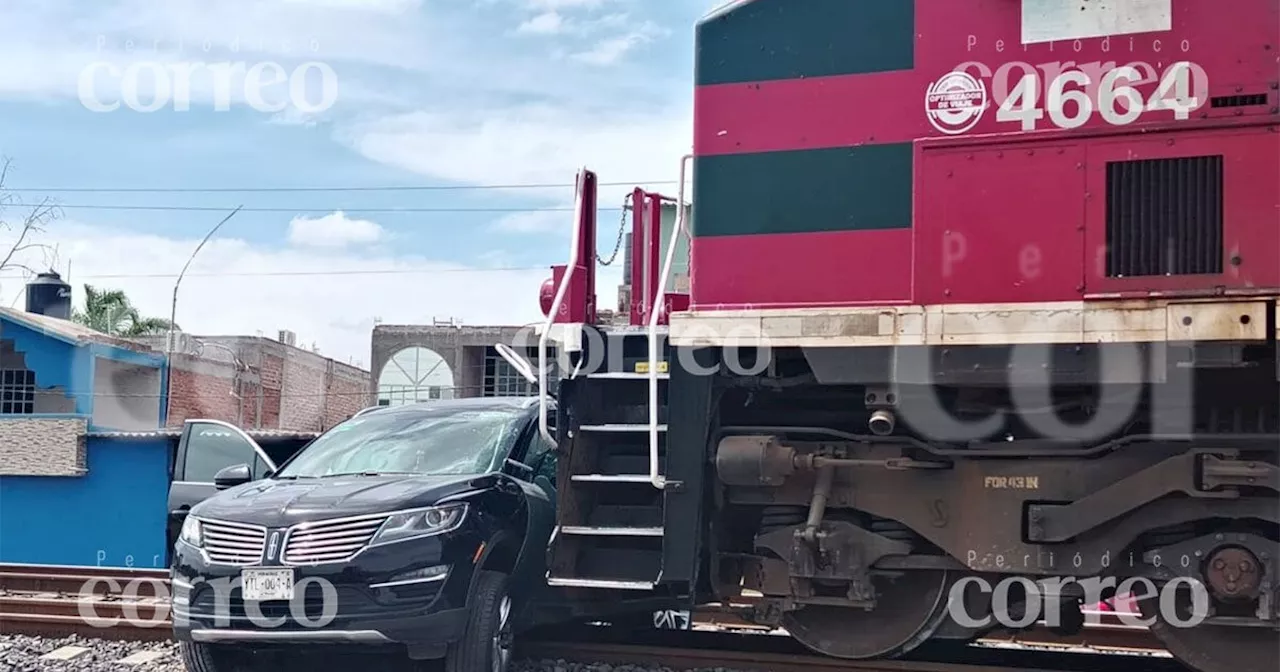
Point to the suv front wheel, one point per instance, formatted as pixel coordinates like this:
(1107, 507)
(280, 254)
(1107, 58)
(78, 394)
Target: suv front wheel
(486, 642)
(198, 657)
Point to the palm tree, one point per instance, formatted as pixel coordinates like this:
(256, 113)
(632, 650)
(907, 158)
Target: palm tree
(111, 312)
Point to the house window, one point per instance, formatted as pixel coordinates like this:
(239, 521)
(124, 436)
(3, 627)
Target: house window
(210, 448)
(412, 375)
(17, 391)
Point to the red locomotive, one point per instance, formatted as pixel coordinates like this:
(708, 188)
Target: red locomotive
(982, 307)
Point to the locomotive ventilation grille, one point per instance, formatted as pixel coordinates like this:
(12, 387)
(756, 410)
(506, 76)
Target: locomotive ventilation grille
(233, 543)
(330, 540)
(1164, 217)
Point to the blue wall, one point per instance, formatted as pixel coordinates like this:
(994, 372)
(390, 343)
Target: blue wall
(59, 363)
(113, 516)
(55, 362)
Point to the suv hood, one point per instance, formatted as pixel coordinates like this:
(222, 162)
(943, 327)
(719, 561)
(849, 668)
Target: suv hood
(281, 503)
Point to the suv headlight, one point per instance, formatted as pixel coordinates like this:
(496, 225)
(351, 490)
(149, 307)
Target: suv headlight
(420, 523)
(192, 532)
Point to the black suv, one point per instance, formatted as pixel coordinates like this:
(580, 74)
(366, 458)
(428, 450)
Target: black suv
(421, 526)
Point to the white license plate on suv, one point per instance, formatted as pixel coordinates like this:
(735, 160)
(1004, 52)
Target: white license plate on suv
(260, 585)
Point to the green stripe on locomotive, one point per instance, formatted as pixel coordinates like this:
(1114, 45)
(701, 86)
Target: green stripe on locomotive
(810, 190)
(804, 191)
(767, 40)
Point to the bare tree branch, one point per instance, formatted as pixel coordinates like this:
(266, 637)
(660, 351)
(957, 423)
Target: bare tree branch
(33, 222)
(24, 267)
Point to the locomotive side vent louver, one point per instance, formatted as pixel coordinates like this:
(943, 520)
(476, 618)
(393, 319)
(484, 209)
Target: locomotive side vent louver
(1245, 100)
(1164, 217)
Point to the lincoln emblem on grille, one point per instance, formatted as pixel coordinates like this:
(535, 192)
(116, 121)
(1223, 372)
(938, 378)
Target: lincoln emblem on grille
(271, 546)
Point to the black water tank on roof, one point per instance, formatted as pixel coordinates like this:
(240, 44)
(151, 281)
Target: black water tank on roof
(49, 295)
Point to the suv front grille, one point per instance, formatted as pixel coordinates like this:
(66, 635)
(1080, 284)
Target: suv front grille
(330, 540)
(233, 543)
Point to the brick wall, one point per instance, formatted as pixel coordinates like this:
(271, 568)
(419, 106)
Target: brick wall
(304, 391)
(279, 386)
(348, 392)
(42, 446)
(271, 372)
(202, 388)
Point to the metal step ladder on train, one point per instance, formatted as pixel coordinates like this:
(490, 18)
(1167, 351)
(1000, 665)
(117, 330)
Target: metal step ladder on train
(616, 508)
(610, 531)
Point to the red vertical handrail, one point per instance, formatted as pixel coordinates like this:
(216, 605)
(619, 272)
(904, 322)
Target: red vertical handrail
(646, 253)
(639, 254)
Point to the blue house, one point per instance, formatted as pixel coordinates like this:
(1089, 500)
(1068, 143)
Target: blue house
(79, 412)
(55, 368)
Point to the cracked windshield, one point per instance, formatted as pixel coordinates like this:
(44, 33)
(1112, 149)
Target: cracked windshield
(640, 335)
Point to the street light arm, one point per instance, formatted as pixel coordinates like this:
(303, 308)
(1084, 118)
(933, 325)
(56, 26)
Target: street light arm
(173, 313)
(173, 310)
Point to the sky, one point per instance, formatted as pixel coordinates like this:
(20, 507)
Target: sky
(119, 112)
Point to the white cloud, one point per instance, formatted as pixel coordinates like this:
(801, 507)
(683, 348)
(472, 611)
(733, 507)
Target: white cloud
(611, 50)
(565, 4)
(547, 23)
(384, 59)
(386, 6)
(322, 295)
(534, 144)
(292, 116)
(48, 46)
(535, 222)
(333, 230)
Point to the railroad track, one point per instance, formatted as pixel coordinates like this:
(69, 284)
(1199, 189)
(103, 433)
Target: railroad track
(682, 658)
(691, 650)
(54, 601)
(113, 603)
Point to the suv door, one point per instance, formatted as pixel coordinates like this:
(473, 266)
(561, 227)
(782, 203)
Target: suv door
(539, 490)
(542, 457)
(207, 447)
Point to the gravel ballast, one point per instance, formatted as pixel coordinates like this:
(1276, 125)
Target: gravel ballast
(20, 653)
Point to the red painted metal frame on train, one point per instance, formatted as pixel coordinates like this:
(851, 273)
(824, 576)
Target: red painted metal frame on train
(646, 260)
(579, 305)
(979, 205)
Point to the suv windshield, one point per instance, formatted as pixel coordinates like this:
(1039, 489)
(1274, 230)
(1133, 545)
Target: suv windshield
(411, 441)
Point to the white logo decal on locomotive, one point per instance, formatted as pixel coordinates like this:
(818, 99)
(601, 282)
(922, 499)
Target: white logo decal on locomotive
(955, 103)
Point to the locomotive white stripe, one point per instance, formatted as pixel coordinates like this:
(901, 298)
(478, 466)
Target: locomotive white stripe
(1120, 321)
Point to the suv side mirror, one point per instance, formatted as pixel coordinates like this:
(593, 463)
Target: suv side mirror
(230, 477)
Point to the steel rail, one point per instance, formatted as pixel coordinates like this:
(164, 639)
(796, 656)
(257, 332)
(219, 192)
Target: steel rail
(102, 602)
(681, 658)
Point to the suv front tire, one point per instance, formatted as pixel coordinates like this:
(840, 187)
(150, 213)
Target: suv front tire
(486, 642)
(197, 657)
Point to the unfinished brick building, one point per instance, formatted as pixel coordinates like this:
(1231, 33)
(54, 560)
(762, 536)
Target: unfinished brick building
(260, 383)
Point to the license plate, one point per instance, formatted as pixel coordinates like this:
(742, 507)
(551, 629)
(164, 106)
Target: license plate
(260, 585)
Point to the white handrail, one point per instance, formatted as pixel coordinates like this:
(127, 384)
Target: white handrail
(555, 309)
(520, 364)
(659, 304)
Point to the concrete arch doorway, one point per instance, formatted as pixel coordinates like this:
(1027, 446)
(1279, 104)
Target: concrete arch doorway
(415, 374)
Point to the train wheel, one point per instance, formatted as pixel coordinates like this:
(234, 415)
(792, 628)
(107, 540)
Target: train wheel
(1212, 647)
(908, 609)
(1219, 648)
